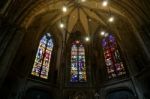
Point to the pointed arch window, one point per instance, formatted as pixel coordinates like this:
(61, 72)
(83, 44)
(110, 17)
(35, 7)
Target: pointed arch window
(112, 56)
(43, 57)
(78, 66)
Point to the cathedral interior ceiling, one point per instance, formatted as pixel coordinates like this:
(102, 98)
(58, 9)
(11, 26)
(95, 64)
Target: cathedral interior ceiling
(87, 17)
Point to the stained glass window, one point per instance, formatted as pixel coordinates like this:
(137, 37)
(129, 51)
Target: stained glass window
(78, 67)
(43, 57)
(113, 59)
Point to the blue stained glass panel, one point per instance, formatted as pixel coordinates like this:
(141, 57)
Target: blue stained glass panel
(78, 68)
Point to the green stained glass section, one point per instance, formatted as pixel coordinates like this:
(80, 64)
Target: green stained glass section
(43, 57)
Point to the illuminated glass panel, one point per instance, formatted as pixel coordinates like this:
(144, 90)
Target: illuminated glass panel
(43, 57)
(78, 68)
(113, 60)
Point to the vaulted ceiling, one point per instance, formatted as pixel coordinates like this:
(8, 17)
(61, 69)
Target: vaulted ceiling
(87, 17)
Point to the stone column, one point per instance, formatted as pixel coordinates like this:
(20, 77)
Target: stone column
(9, 45)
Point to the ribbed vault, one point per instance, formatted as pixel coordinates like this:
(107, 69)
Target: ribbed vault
(88, 17)
(91, 15)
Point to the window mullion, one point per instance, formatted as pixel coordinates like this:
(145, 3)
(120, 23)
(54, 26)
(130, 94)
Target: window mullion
(78, 61)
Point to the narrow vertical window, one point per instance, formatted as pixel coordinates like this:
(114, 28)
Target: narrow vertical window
(78, 67)
(113, 59)
(43, 57)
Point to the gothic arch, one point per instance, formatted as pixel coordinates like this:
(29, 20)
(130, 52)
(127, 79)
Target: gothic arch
(120, 93)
